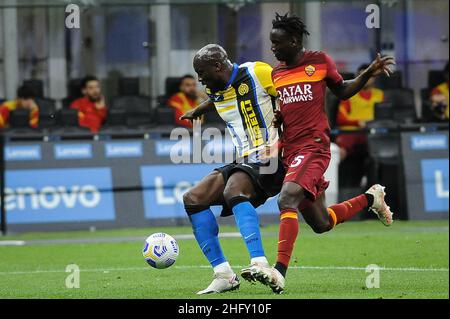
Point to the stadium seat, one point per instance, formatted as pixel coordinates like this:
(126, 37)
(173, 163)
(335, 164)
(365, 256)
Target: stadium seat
(68, 118)
(403, 102)
(435, 77)
(74, 92)
(139, 114)
(47, 112)
(384, 143)
(395, 81)
(122, 102)
(172, 86)
(68, 128)
(74, 87)
(66, 102)
(116, 122)
(19, 118)
(137, 107)
(36, 85)
(46, 104)
(116, 117)
(383, 111)
(399, 96)
(129, 86)
(165, 116)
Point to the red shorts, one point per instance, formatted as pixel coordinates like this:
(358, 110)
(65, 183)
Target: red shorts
(306, 169)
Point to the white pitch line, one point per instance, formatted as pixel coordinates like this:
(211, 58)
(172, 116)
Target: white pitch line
(12, 243)
(107, 270)
(411, 269)
(97, 240)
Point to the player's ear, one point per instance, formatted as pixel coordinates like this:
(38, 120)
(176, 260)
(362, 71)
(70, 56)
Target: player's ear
(218, 66)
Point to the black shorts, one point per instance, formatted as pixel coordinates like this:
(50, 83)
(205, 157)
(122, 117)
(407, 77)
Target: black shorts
(266, 185)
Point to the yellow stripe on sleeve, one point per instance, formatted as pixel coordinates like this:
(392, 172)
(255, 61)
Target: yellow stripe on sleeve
(263, 72)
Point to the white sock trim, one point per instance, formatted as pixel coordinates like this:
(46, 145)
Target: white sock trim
(223, 268)
(260, 260)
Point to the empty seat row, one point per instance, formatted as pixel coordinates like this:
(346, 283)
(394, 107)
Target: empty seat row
(68, 117)
(127, 116)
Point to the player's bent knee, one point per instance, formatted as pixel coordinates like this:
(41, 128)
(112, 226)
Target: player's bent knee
(192, 204)
(238, 186)
(230, 194)
(291, 196)
(286, 201)
(188, 198)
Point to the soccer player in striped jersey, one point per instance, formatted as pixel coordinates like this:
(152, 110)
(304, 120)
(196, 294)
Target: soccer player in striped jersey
(244, 97)
(301, 79)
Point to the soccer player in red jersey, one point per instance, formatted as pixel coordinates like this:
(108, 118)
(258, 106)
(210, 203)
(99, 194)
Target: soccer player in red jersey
(301, 79)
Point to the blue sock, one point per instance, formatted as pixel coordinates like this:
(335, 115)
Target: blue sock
(206, 232)
(248, 223)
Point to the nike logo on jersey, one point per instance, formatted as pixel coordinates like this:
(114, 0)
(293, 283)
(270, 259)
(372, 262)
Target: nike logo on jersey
(216, 98)
(247, 237)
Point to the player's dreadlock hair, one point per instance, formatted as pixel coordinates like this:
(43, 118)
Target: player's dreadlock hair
(293, 25)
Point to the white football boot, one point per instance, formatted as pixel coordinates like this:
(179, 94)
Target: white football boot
(266, 275)
(247, 273)
(222, 282)
(379, 207)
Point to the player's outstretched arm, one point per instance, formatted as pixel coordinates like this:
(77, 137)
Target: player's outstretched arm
(204, 107)
(349, 88)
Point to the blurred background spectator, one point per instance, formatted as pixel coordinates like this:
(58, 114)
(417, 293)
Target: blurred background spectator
(24, 103)
(439, 98)
(186, 99)
(91, 107)
(353, 114)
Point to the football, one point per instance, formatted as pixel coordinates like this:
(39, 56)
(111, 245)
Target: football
(160, 250)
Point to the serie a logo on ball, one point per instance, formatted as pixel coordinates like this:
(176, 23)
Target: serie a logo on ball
(160, 250)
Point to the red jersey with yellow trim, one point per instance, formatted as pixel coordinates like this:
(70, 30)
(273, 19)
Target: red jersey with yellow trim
(8, 106)
(182, 103)
(89, 115)
(301, 92)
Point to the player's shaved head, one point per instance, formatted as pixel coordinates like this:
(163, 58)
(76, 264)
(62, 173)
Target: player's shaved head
(213, 67)
(211, 54)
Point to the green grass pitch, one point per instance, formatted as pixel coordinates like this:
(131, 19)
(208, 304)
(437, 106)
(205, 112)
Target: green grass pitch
(414, 257)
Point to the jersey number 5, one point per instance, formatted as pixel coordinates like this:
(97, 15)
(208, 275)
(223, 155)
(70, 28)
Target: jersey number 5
(297, 161)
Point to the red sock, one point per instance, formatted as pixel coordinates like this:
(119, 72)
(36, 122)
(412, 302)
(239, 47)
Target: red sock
(344, 211)
(287, 236)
